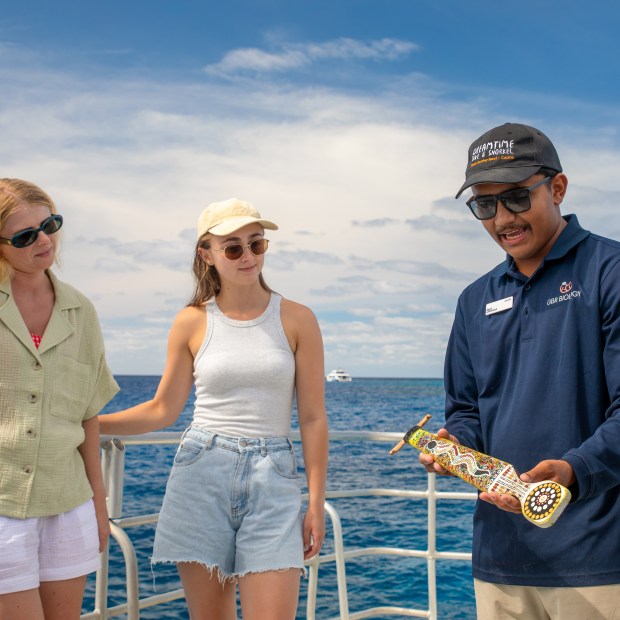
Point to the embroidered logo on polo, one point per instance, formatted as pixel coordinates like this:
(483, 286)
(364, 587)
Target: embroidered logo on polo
(566, 294)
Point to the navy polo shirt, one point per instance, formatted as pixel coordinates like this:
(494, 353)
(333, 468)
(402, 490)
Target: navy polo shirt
(532, 372)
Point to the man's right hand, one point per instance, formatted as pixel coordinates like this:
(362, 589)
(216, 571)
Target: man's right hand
(430, 464)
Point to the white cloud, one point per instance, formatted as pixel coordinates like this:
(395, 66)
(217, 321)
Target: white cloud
(297, 56)
(375, 223)
(252, 59)
(345, 48)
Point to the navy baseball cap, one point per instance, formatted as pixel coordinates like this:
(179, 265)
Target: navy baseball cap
(509, 153)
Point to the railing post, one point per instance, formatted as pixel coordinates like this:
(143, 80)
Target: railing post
(341, 574)
(115, 479)
(113, 469)
(432, 547)
(313, 582)
(131, 572)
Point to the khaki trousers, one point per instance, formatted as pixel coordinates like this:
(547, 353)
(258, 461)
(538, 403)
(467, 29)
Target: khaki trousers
(500, 602)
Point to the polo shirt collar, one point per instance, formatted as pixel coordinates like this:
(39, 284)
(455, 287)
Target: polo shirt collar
(572, 235)
(58, 327)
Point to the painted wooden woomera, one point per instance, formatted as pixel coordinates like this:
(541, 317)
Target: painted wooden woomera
(541, 502)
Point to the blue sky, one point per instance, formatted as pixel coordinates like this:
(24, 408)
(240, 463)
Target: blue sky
(347, 122)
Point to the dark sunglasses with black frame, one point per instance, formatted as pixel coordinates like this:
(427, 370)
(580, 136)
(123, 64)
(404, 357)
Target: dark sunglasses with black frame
(516, 201)
(28, 236)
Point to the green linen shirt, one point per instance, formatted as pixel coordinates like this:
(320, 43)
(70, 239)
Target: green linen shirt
(45, 395)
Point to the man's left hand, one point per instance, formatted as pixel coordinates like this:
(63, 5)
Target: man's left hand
(556, 470)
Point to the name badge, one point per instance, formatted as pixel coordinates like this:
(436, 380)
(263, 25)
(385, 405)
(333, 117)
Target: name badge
(499, 306)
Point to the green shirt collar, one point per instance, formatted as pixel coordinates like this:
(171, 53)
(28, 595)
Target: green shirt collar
(58, 328)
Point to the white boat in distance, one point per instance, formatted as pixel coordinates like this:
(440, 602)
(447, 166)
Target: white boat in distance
(338, 375)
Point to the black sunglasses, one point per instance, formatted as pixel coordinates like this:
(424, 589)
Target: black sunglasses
(235, 252)
(24, 238)
(516, 201)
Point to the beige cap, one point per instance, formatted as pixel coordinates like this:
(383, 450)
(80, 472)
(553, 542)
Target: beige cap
(222, 218)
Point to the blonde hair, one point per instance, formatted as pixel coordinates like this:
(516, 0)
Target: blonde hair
(15, 194)
(208, 283)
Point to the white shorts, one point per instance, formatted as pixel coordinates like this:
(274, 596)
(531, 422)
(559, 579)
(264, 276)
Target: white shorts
(52, 548)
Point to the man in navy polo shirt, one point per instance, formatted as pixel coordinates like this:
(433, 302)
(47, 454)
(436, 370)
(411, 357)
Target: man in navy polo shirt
(532, 376)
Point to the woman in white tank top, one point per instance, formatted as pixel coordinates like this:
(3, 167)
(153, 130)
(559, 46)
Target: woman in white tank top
(232, 511)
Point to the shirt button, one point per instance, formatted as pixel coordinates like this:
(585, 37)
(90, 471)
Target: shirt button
(33, 398)
(527, 287)
(31, 433)
(28, 469)
(36, 366)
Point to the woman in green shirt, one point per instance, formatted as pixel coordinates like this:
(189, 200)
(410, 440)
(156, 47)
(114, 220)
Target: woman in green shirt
(53, 382)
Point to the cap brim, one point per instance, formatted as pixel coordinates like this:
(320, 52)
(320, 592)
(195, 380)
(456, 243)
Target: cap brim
(235, 223)
(498, 175)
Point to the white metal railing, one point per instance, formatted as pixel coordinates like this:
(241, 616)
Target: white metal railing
(113, 466)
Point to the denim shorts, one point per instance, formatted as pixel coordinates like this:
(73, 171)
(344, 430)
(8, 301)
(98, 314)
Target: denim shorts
(231, 504)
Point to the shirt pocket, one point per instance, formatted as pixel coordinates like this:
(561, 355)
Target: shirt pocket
(70, 390)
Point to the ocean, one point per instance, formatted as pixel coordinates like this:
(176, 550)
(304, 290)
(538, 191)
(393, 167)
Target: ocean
(387, 405)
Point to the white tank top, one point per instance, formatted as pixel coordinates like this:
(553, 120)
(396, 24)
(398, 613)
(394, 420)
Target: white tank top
(244, 374)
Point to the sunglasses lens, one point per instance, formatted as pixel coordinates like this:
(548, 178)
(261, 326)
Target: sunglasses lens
(259, 246)
(517, 201)
(52, 224)
(484, 207)
(24, 238)
(233, 252)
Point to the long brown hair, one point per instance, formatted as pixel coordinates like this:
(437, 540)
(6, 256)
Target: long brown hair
(14, 194)
(208, 283)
